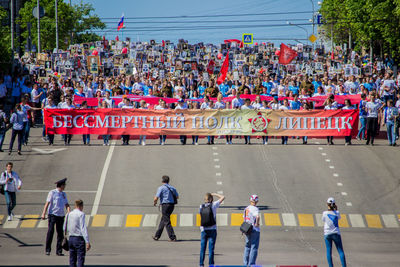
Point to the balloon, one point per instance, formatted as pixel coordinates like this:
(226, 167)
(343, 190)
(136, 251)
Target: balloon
(219, 56)
(255, 43)
(277, 52)
(124, 50)
(56, 73)
(264, 43)
(95, 53)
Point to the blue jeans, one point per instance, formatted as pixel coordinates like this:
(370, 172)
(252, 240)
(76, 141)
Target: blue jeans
(211, 236)
(251, 248)
(391, 134)
(142, 139)
(106, 139)
(2, 137)
(86, 139)
(163, 138)
(361, 132)
(338, 243)
(26, 131)
(11, 201)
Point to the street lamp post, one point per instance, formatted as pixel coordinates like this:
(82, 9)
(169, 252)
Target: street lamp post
(56, 5)
(38, 26)
(313, 21)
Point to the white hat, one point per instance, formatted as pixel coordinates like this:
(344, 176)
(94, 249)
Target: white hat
(331, 200)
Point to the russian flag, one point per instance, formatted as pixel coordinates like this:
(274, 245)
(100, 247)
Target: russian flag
(121, 23)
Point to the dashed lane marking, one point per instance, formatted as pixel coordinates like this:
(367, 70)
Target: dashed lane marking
(356, 220)
(343, 222)
(236, 219)
(115, 220)
(344, 194)
(1, 219)
(174, 220)
(373, 221)
(198, 220)
(12, 224)
(30, 221)
(349, 204)
(272, 219)
(219, 183)
(323, 154)
(331, 167)
(318, 219)
(150, 220)
(220, 192)
(215, 153)
(133, 220)
(99, 220)
(306, 220)
(327, 160)
(336, 175)
(339, 184)
(218, 174)
(320, 148)
(390, 221)
(289, 219)
(216, 160)
(215, 148)
(186, 219)
(222, 219)
(217, 166)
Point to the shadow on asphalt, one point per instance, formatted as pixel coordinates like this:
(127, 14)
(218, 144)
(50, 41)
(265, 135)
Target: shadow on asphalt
(20, 242)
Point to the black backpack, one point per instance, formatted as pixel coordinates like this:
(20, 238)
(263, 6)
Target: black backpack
(207, 216)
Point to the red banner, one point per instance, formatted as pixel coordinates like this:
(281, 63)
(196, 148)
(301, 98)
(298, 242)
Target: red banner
(202, 122)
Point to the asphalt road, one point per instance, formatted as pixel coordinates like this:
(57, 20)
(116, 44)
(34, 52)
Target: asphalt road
(118, 183)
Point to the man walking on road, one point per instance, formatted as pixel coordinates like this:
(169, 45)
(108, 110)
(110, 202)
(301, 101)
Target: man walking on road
(12, 184)
(208, 228)
(55, 204)
(168, 198)
(252, 216)
(78, 235)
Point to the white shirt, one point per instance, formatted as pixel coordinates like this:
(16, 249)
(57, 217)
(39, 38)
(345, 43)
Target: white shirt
(250, 216)
(257, 105)
(214, 207)
(76, 225)
(13, 184)
(237, 103)
(219, 105)
(331, 222)
(57, 200)
(372, 108)
(204, 105)
(283, 107)
(246, 107)
(274, 106)
(34, 94)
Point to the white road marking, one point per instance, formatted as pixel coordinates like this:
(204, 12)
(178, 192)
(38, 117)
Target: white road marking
(328, 160)
(289, 219)
(344, 194)
(318, 219)
(219, 183)
(46, 191)
(215, 153)
(102, 179)
(216, 160)
(87, 219)
(349, 204)
(186, 219)
(331, 167)
(217, 166)
(220, 192)
(12, 224)
(320, 148)
(115, 220)
(336, 174)
(390, 221)
(43, 224)
(218, 174)
(215, 148)
(222, 219)
(317, 143)
(150, 220)
(323, 154)
(356, 220)
(339, 184)
(47, 151)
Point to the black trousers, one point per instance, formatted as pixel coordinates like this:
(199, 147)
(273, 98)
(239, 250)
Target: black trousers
(183, 139)
(13, 135)
(77, 251)
(57, 221)
(125, 139)
(166, 210)
(372, 127)
(67, 139)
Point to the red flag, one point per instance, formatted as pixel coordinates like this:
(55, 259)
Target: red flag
(117, 38)
(210, 67)
(286, 55)
(332, 55)
(224, 70)
(163, 43)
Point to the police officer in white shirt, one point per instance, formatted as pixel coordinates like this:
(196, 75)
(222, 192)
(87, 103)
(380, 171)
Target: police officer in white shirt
(55, 204)
(12, 184)
(78, 235)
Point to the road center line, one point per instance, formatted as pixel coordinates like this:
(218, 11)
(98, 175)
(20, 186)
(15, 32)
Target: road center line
(219, 183)
(102, 179)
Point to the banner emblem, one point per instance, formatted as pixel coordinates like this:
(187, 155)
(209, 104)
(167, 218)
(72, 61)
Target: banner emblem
(259, 123)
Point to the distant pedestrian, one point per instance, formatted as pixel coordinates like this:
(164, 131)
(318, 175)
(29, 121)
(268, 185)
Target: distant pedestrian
(3, 126)
(372, 107)
(208, 228)
(168, 197)
(331, 219)
(12, 184)
(78, 235)
(55, 204)
(17, 121)
(252, 216)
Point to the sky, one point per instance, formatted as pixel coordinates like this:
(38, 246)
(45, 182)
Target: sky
(268, 20)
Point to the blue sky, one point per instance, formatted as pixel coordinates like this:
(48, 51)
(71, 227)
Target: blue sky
(228, 27)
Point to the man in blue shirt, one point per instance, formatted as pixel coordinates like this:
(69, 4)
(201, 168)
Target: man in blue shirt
(317, 83)
(168, 198)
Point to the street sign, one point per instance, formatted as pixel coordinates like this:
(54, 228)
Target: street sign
(312, 38)
(319, 19)
(247, 38)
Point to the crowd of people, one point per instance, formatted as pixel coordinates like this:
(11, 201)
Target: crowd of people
(185, 76)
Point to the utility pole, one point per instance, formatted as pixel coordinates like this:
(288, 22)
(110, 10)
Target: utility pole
(349, 39)
(38, 26)
(12, 37)
(332, 36)
(56, 4)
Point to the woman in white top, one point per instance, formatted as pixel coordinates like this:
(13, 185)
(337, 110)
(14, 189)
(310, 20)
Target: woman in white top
(331, 219)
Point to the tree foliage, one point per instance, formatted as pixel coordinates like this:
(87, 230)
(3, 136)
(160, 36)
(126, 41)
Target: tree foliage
(5, 41)
(371, 22)
(74, 21)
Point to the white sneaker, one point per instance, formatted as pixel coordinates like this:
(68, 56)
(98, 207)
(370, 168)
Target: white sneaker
(104, 144)
(162, 143)
(196, 144)
(143, 144)
(9, 218)
(266, 143)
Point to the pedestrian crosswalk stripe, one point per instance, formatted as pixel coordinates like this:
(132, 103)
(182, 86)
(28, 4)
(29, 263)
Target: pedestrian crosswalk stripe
(343, 222)
(272, 219)
(373, 221)
(222, 219)
(236, 219)
(390, 221)
(29, 221)
(12, 224)
(306, 220)
(150, 220)
(99, 220)
(1, 219)
(186, 219)
(43, 224)
(174, 220)
(356, 220)
(87, 220)
(318, 219)
(198, 220)
(115, 220)
(289, 219)
(133, 220)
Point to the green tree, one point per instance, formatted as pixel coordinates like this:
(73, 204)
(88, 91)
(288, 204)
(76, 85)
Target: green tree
(76, 21)
(5, 41)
